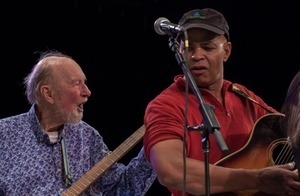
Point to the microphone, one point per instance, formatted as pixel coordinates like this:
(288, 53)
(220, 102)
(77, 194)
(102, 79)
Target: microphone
(163, 26)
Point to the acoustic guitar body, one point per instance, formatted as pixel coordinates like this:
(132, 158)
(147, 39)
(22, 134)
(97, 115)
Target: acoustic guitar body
(267, 146)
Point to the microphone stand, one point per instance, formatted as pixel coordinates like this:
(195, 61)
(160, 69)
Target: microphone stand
(210, 123)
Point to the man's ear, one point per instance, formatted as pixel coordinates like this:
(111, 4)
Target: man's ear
(227, 48)
(47, 92)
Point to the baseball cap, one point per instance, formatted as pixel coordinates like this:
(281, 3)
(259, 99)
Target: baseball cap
(206, 18)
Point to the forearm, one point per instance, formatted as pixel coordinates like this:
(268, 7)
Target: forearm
(224, 179)
(221, 179)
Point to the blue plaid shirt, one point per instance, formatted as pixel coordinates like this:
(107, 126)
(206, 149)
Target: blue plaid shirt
(32, 165)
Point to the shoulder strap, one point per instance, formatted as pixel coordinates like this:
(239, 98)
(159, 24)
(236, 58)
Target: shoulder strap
(243, 94)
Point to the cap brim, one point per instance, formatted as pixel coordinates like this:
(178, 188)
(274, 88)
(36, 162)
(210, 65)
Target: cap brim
(204, 26)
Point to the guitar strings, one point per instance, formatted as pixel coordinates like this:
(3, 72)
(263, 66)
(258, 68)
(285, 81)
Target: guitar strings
(286, 154)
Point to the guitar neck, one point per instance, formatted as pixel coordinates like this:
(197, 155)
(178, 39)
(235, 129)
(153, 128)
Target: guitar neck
(97, 170)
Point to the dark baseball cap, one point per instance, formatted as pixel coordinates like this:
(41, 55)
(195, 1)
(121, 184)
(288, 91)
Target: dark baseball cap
(206, 18)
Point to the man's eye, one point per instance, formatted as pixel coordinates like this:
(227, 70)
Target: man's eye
(190, 48)
(76, 82)
(208, 48)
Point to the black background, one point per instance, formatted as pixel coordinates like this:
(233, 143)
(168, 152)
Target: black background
(127, 63)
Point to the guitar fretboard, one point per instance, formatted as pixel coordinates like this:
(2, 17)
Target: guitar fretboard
(97, 170)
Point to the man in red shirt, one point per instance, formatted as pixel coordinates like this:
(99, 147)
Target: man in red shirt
(177, 152)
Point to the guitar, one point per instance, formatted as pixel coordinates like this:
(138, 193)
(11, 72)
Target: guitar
(267, 146)
(97, 170)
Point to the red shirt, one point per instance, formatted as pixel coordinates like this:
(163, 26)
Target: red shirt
(164, 118)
